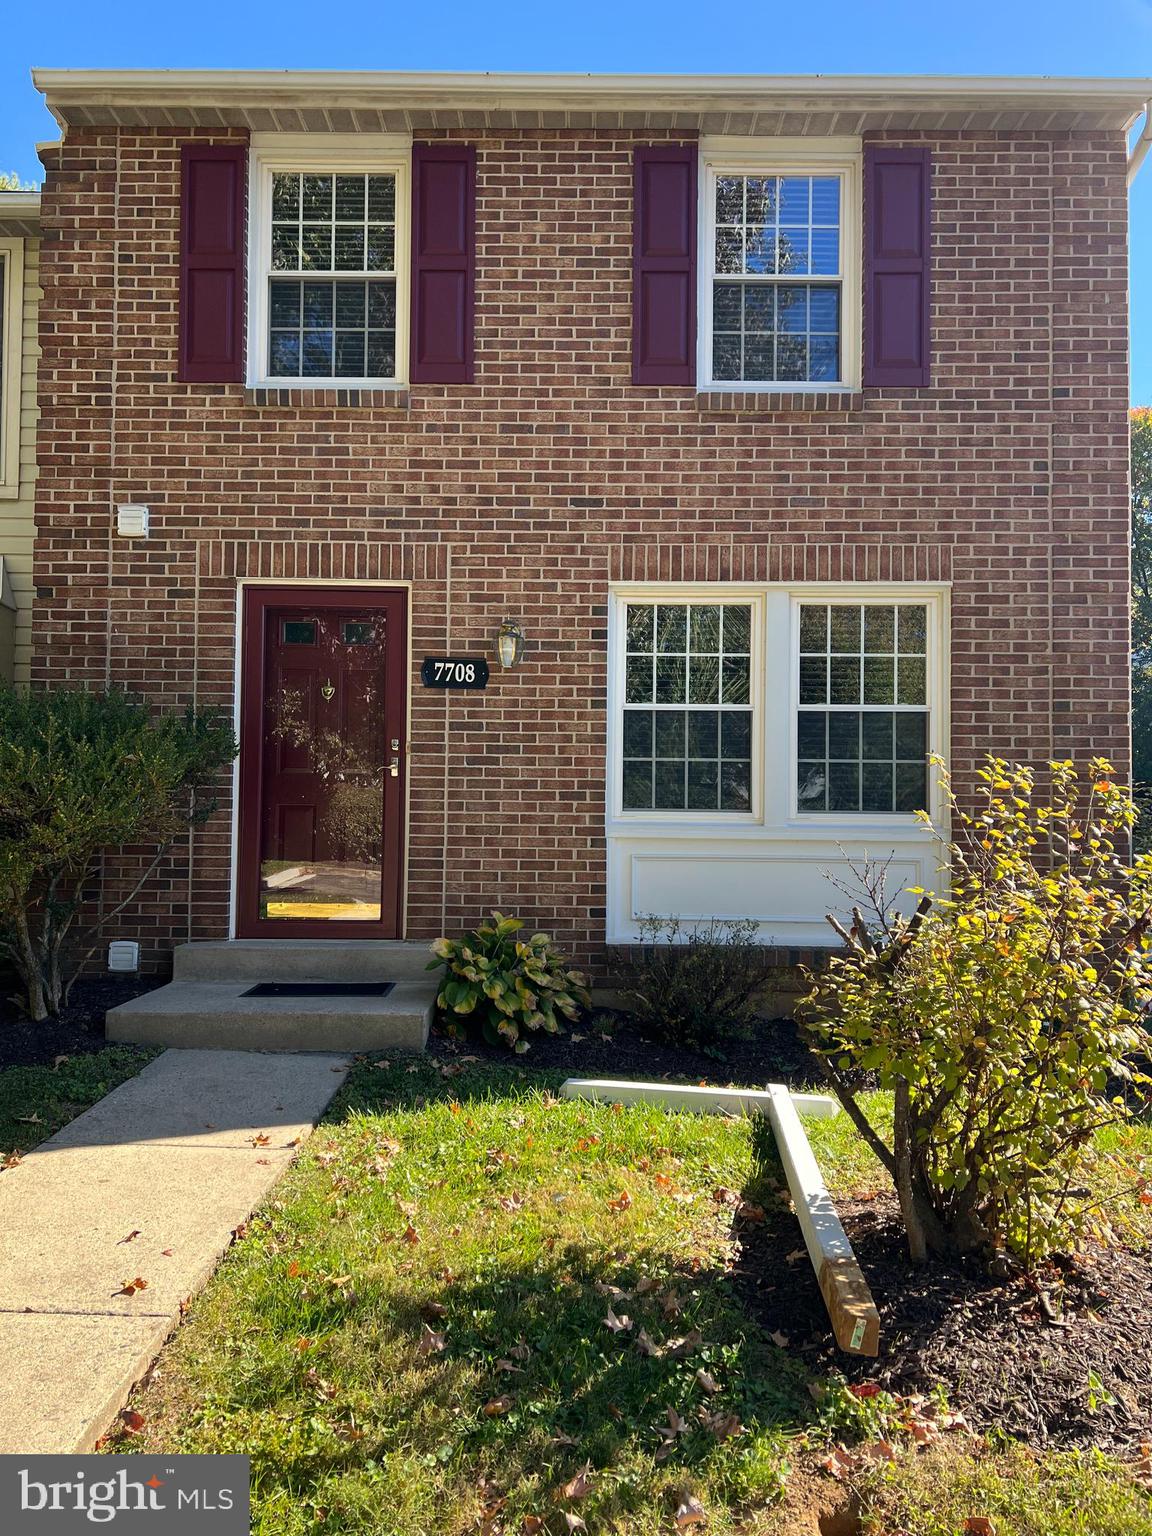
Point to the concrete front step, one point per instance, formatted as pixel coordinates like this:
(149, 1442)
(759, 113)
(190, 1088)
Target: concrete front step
(214, 1015)
(302, 960)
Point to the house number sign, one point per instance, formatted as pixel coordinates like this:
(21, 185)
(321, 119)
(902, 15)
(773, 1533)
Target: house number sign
(454, 672)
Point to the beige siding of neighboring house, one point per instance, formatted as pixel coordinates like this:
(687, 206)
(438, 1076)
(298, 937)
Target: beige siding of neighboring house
(17, 516)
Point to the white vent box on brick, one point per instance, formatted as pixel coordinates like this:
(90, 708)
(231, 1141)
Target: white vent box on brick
(124, 955)
(132, 522)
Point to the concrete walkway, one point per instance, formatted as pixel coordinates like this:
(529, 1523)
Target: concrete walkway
(176, 1156)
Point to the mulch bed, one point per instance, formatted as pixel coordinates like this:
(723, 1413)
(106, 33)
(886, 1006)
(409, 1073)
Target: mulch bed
(76, 1030)
(1002, 1363)
(607, 1045)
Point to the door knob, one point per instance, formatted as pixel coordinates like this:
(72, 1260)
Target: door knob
(394, 768)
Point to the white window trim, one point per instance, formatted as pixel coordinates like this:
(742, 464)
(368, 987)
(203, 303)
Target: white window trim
(790, 156)
(323, 154)
(11, 384)
(776, 634)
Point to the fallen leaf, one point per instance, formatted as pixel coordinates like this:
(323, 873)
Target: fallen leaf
(706, 1382)
(573, 1522)
(677, 1349)
(135, 1233)
(302, 1344)
(689, 1512)
(434, 1309)
(431, 1343)
(497, 1406)
(723, 1425)
(132, 1421)
(520, 1350)
(130, 1287)
(512, 1202)
(645, 1346)
(32, 1119)
(532, 1525)
(295, 1142)
(979, 1525)
(507, 1365)
(622, 1201)
(795, 1256)
(58, 1062)
(617, 1324)
(779, 1339)
(614, 1291)
(411, 1235)
(293, 1269)
(167, 1252)
(676, 1426)
(864, 1389)
(644, 1285)
(321, 1387)
(260, 1140)
(581, 1485)
(753, 1214)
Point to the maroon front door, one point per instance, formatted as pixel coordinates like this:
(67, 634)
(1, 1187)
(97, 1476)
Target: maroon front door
(322, 763)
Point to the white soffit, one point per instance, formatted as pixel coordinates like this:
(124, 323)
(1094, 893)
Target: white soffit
(378, 102)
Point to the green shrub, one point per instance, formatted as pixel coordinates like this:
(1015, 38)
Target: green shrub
(1005, 1016)
(692, 987)
(506, 984)
(80, 774)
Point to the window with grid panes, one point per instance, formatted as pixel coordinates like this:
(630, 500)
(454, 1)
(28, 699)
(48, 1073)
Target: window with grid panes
(862, 718)
(332, 276)
(687, 713)
(776, 279)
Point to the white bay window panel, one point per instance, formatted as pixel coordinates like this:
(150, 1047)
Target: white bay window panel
(754, 803)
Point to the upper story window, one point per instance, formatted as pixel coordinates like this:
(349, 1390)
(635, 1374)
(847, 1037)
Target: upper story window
(329, 270)
(781, 298)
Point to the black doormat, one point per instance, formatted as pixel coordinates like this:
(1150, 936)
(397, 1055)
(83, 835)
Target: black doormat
(320, 989)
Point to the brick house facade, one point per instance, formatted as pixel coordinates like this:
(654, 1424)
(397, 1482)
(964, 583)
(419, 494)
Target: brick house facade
(554, 490)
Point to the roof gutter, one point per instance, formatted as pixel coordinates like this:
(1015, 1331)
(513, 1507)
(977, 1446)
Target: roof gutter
(1141, 147)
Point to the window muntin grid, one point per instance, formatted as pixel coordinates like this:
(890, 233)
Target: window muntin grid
(862, 717)
(687, 713)
(332, 314)
(769, 231)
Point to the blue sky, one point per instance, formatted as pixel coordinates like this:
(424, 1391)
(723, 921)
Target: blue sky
(1057, 37)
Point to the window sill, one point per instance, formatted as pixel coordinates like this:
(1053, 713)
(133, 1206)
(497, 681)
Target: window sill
(752, 402)
(278, 397)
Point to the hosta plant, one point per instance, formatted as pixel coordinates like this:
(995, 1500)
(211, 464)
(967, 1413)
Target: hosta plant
(507, 984)
(1007, 1014)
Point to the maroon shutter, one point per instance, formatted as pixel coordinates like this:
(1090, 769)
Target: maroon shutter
(897, 265)
(664, 265)
(212, 206)
(443, 262)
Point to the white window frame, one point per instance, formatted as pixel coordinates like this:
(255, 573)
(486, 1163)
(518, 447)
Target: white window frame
(11, 380)
(683, 592)
(323, 154)
(850, 595)
(785, 157)
(775, 639)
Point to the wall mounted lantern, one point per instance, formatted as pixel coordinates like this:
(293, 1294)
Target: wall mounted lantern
(509, 643)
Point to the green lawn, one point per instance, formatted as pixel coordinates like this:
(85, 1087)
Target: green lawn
(418, 1336)
(35, 1101)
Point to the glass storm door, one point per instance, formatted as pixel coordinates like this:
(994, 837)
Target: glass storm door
(322, 764)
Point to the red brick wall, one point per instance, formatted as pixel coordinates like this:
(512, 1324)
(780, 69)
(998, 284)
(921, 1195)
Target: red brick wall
(526, 493)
